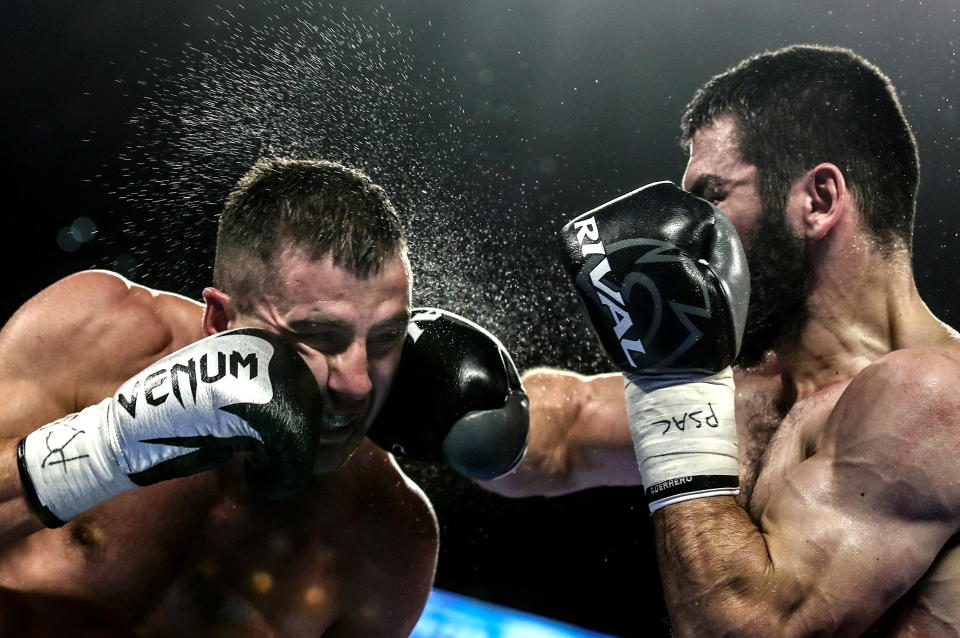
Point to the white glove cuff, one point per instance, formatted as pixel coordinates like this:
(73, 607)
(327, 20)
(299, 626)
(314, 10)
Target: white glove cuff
(70, 464)
(684, 435)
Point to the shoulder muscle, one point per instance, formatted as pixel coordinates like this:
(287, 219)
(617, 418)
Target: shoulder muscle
(902, 414)
(398, 537)
(82, 331)
(875, 503)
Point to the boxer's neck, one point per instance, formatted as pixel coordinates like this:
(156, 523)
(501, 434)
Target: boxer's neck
(862, 306)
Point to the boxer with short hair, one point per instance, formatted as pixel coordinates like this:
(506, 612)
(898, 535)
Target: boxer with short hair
(202, 468)
(812, 489)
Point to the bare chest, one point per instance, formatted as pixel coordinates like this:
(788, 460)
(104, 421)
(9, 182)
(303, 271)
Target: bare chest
(774, 441)
(266, 569)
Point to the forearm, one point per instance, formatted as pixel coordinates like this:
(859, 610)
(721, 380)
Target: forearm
(565, 470)
(554, 400)
(537, 475)
(578, 438)
(16, 519)
(718, 578)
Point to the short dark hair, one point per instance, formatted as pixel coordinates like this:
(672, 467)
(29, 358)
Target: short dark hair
(806, 104)
(318, 206)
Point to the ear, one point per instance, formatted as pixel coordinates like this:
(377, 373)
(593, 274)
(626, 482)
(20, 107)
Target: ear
(219, 313)
(827, 198)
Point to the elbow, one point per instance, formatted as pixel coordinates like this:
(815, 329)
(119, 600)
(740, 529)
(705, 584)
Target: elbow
(755, 616)
(731, 625)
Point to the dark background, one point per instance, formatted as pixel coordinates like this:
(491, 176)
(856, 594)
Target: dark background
(489, 122)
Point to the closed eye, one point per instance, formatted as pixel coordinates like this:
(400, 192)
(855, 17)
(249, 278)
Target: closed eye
(328, 343)
(384, 342)
(709, 187)
(388, 337)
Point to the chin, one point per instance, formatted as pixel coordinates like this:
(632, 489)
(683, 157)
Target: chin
(331, 458)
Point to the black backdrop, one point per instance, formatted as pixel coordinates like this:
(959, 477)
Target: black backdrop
(489, 122)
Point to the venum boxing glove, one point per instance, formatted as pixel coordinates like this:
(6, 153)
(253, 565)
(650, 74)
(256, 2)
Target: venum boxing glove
(456, 400)
(664, 281)
(242, 389)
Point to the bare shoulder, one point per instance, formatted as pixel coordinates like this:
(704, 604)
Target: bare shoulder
(396, 538)
(385, 492)
(92, 309)
(88, 330)
(915, 385)
(900, 419)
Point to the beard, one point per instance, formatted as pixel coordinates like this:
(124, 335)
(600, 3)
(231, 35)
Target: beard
(781, 279)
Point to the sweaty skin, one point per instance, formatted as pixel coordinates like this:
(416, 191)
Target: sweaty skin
(849, 438)
(352, 555)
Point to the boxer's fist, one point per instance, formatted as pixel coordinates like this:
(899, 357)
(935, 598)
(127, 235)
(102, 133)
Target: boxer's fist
(243, 389)
(664, 280)
(456, 400)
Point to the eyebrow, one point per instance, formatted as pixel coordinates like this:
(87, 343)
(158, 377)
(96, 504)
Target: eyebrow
(703, 182)
(317, 323)
(338, 325)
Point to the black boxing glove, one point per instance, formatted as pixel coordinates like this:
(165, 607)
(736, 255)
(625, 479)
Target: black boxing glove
(664, 281)
(456, 400)
(243, 389)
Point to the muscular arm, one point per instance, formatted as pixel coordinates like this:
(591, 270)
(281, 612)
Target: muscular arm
(67, 347)
(579, 437)
(849, 531)
(16, 520)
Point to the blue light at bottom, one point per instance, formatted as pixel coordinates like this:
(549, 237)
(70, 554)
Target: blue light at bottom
(453, 616)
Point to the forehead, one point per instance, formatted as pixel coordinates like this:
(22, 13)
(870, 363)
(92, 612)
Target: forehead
(306, 286)
(714, 151)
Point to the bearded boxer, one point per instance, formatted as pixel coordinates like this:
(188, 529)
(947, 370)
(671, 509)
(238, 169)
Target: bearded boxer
(821, 496)
(201, 469)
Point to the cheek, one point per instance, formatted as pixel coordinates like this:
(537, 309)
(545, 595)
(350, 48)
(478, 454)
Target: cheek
(383, 369)
(744, 214)
(318, 366)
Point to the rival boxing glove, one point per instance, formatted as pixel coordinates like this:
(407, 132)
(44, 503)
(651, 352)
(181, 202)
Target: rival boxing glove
(456, 400)
(664, 281)
(242, 389)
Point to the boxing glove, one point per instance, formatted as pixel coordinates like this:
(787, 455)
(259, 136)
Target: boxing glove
(456, 400)
(664, 281)
(242, 389)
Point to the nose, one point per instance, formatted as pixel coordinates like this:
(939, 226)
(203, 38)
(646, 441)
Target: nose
(349, 376)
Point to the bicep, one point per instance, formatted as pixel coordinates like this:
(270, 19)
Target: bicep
(27, 404)
(856, 525)
(36, 380)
